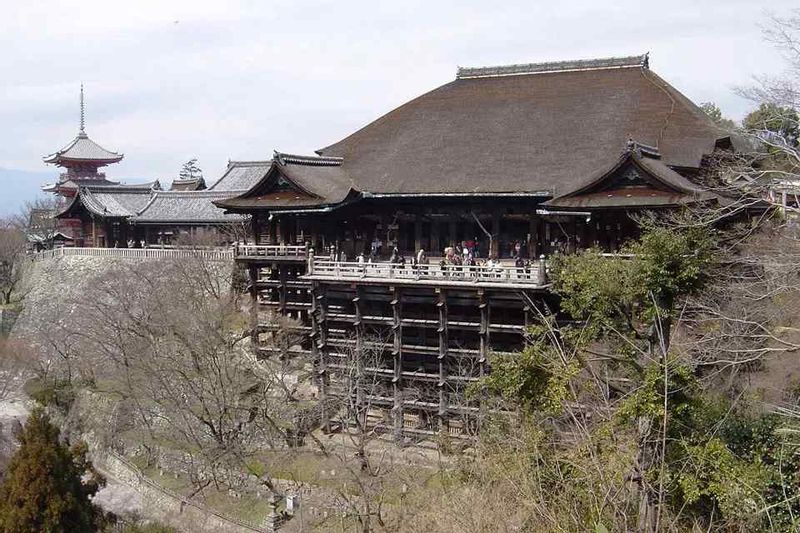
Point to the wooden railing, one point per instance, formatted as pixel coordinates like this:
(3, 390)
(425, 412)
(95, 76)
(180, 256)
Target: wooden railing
(216, 254)
(500, 274)
(267, 251)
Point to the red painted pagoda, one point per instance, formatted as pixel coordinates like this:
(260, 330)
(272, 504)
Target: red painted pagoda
(82, 158)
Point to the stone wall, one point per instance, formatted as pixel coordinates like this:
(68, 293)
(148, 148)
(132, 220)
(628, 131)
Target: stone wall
(52, 282)
(166, 505)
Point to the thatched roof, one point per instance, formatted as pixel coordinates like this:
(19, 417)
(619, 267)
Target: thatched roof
(528, 129)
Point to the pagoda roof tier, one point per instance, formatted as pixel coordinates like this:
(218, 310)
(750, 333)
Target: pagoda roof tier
(76, 183)
(94, 183)
(83, 150)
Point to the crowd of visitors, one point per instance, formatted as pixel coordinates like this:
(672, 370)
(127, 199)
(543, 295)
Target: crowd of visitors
(452, 260)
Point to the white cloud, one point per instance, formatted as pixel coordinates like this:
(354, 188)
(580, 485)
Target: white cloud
(167, 81)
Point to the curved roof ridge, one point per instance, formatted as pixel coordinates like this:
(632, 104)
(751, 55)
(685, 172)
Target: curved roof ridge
(297, 159)
(205, 193)
(249, 162)
(521, 69)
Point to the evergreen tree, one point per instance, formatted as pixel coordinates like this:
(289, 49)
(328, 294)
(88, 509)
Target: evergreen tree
(715, 113)
(190, 170)
(43, 490)
(769, 118)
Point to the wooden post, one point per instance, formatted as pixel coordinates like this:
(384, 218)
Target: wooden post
(417, 234)
(436, 238)
(483, 306)
(495, 245)
(94, 232)
(441, 304)
(533, 240)
(397, 355)
(359, 354)
(452, 233)
(282, 288)
(319, 348)
(252, 272)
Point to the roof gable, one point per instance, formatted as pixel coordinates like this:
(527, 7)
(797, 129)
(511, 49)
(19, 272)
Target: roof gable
(638, 179)
(241, 175)
(296, 181)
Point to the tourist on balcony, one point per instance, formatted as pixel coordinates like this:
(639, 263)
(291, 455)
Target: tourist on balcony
(396, 258)
(519, 263)
(422, 260)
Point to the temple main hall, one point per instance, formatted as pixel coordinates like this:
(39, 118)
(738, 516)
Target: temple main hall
(416, 247)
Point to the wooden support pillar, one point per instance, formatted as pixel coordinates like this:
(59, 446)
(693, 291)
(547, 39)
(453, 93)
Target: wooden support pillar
(319, 348)
(572, 247)
(282, 276)
(483, 307)
(418, 234)
(528, 315)
(94, 232)
(495, 245)
(437, 242)
(397, 356)
(252, 272)
(358, 356)
(441, 305)
(452, 233)
(533, 239)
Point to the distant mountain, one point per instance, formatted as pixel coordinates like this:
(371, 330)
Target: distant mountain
(20, 186)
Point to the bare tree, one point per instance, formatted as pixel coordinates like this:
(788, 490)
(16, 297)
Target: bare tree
(15, 367)
(12, 256)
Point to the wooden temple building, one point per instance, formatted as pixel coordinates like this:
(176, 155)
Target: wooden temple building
(97, 212)
(512, 164)
(520, 160)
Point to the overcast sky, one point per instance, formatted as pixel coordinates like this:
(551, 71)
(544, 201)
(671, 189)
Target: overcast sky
(168, 81)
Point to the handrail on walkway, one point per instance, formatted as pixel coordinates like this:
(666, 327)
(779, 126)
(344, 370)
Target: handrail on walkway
(217, 254)
(533, 275)
(292, 251)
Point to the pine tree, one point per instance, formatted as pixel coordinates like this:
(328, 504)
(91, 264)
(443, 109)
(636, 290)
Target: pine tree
(190, 170)
(43, 489)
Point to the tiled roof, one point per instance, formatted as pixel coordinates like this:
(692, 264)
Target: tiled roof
(74, 183)
(241, 175)
(82, 148)
(184, 207)
(188, 184)
(113, 201)
(314, 181)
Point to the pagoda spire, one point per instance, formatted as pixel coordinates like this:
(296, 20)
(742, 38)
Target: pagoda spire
(83, 112)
